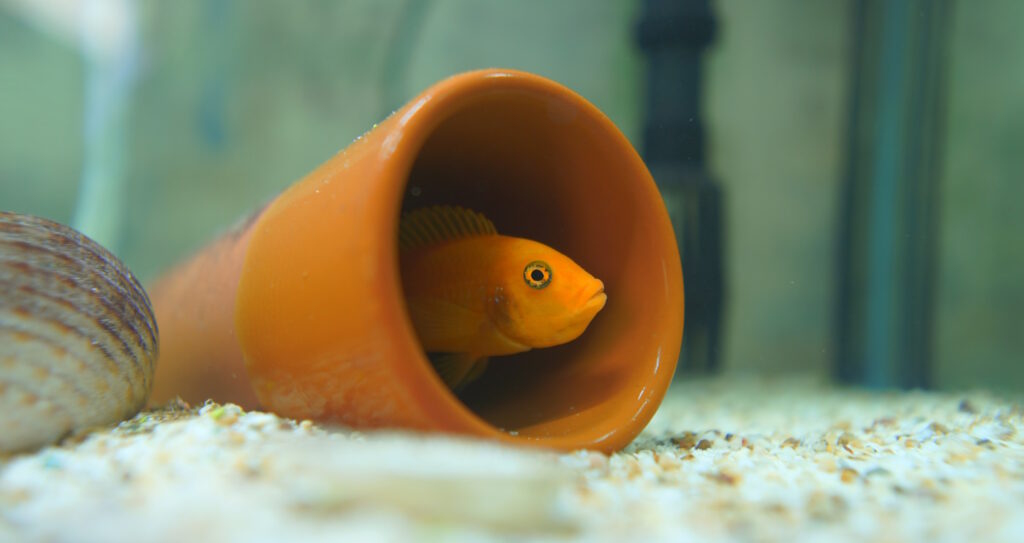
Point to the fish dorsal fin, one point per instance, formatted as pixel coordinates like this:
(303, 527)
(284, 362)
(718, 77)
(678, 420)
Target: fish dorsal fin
(437, 224)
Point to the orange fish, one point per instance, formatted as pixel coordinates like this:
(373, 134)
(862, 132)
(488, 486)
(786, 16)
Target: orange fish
(473, 293)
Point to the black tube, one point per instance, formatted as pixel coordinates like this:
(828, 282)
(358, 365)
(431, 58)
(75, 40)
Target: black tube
(673, 35)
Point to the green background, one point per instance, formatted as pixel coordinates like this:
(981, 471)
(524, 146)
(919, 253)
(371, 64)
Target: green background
(236, 99)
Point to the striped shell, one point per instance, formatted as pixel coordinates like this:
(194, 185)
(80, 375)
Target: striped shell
(78, 339)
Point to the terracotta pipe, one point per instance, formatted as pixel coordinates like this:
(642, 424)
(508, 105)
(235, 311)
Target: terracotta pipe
(300, 309)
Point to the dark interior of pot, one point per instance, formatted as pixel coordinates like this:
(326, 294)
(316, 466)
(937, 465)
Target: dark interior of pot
(546, 169)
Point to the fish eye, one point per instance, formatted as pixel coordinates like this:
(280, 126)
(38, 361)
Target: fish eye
(537, 274)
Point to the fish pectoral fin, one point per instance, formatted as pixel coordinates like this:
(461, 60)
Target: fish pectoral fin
(443, 326)
(476, 371)
(458, 369)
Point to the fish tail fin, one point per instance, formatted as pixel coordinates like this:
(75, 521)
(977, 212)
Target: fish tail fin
(458, 369)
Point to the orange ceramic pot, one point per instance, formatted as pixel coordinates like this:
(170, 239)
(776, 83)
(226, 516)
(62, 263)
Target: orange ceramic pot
(300, 310)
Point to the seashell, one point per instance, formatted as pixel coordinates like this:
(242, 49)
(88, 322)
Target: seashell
(78, 339)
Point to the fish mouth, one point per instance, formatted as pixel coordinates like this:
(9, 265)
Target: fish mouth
(579, 321)
(595, 302)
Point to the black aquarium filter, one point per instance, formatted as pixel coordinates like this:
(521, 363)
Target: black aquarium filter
(673, 35)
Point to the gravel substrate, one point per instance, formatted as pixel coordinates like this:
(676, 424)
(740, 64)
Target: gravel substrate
(724, 460)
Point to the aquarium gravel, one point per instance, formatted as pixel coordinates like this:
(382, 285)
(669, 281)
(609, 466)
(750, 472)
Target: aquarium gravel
(723, 460)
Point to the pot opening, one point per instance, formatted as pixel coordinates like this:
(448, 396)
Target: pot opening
(542, 167)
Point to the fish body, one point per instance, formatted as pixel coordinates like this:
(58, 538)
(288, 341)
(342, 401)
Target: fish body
(473, 293)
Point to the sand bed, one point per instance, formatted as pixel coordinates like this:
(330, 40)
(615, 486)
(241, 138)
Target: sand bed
(724, 460)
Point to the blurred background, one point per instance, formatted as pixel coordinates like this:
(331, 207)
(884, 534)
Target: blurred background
(846, 176)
